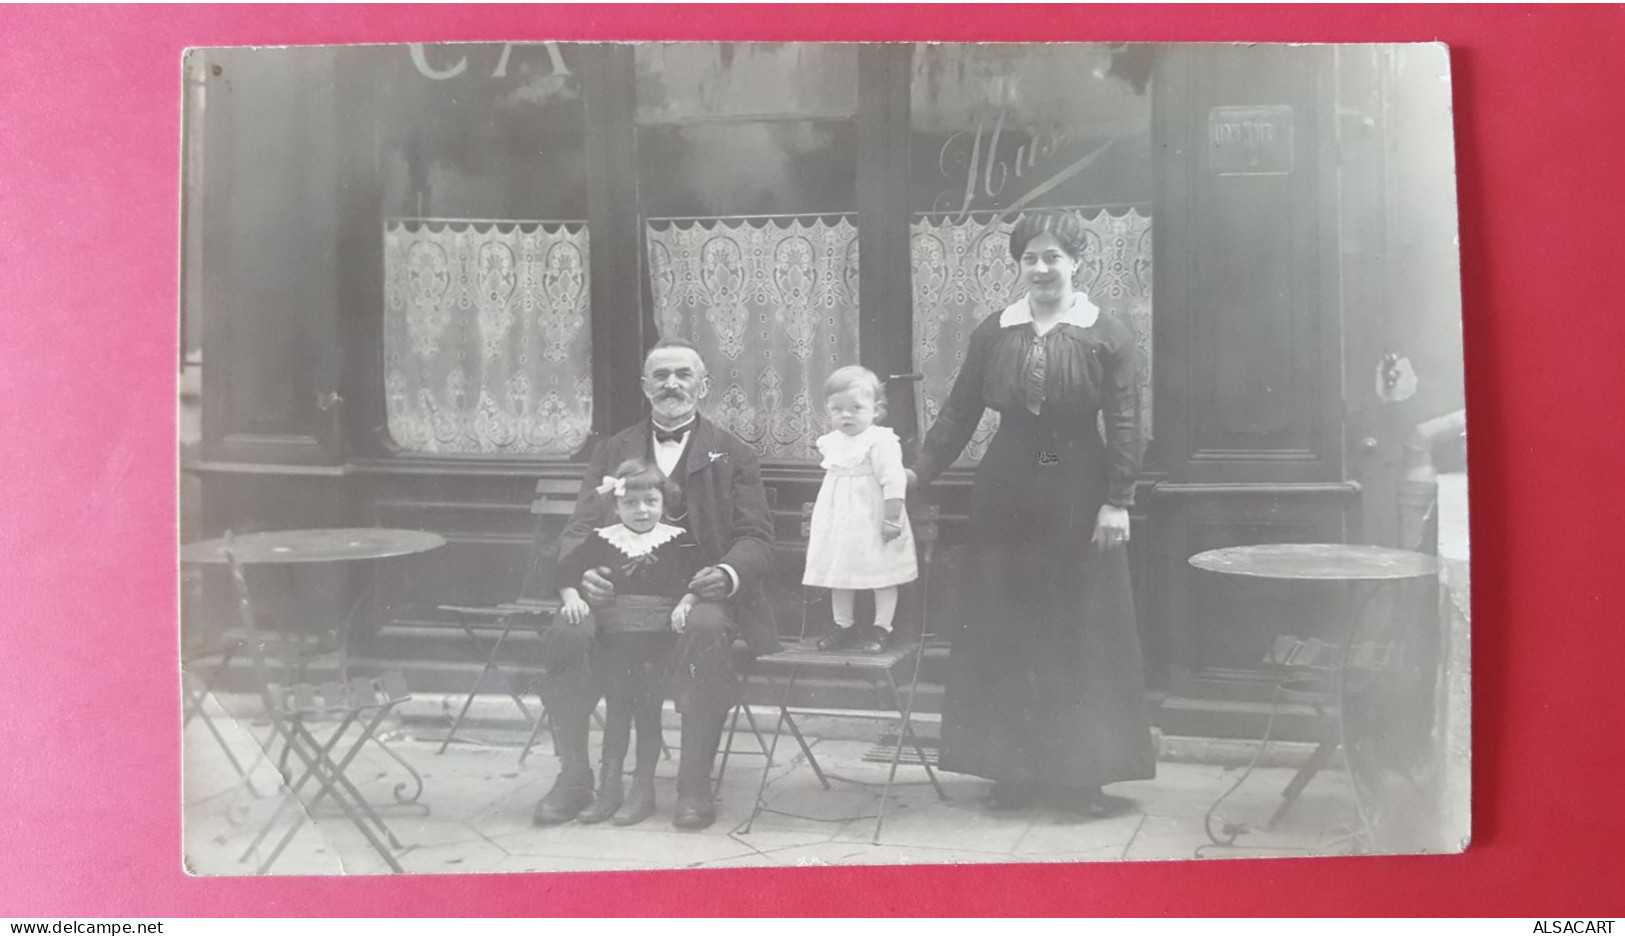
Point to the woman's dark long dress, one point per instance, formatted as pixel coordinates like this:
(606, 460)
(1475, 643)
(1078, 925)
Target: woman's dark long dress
(1045, 681)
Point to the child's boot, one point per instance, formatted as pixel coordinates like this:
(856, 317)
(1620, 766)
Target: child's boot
(610, 794)
(640, 803)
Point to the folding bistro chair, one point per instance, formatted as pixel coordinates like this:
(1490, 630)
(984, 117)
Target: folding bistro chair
(201, 669)
(293, 706)
(879, 668)
(203, 661)
(554, 503)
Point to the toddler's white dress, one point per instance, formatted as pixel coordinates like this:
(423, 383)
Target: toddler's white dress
(861, 473)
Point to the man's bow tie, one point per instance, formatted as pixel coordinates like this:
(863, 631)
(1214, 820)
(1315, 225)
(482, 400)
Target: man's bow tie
(671, 435)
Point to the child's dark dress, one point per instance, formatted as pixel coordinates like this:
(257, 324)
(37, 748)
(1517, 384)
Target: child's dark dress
(650, 572)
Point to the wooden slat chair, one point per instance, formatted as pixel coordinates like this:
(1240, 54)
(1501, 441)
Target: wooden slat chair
(879, 668)
(552, 507)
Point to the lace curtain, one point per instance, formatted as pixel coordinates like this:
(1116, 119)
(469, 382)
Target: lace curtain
(487, 347)
(963, 272)
(772, 305)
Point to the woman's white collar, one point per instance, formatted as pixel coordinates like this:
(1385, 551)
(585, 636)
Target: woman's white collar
(633, 544)
(1082, 313)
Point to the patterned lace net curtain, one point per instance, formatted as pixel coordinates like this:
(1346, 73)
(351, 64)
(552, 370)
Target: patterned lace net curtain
(963, 272)
(487, 345)
(772, 306)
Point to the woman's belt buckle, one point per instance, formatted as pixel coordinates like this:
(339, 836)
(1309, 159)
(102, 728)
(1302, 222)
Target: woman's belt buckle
(1047, 458)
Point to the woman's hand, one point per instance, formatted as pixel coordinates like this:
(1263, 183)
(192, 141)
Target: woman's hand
(913, 479)
(891, 525)
(1111, 527)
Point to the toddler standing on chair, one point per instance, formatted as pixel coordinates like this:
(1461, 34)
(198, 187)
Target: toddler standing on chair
(860, 537)
(651, 564)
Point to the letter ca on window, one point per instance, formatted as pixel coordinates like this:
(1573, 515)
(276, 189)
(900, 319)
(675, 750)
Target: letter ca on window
(420, 58)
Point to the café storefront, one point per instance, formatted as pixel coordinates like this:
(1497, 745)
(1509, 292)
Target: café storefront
(423, 277)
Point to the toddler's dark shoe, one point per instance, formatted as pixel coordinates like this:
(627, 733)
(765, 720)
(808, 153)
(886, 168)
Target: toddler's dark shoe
(873, 640)
(838, 639)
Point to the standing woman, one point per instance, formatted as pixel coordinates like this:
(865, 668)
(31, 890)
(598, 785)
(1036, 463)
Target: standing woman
(1045, 691)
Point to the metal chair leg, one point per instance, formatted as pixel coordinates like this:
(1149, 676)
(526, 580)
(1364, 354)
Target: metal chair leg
(286, 730)
(727, 748)
(909, 733)
(195, 700)
(778, 725)
(761, 742)
(905, 733)
(490, 666)
(543, 717)
(331, 778)
(812, 760)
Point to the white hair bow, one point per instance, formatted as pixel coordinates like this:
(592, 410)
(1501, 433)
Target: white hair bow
(615, 486)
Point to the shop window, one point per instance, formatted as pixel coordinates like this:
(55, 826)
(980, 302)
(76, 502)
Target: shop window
(996, 129)
(772, 306)
(748, 190)
(481, 163)
(487, 341)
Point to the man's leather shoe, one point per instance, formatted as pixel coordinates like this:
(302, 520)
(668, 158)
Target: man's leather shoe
(569, 796)
(694, 813)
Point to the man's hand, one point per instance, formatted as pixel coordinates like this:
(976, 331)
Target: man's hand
(600, 590)
(710, 584)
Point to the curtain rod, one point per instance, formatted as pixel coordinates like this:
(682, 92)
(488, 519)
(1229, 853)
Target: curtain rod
(417, 220)
(918, 214)
(757, 217)
(1002, 211)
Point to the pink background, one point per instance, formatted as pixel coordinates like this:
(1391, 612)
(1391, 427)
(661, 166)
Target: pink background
(89, 765)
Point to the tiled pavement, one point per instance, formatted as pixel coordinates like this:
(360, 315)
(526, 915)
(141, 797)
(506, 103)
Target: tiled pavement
(474, 813)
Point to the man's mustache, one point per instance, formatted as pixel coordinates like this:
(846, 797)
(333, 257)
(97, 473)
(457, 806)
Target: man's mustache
(672, 395)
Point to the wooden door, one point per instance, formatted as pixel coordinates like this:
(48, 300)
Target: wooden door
(1249, 339)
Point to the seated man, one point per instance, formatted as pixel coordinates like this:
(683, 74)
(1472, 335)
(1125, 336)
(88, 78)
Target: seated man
(724, 508)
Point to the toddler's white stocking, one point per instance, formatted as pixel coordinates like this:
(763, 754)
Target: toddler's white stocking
(885, 607)
(840, 600)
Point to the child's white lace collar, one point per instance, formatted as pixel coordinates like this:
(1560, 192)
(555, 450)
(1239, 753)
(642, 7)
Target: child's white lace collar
(843, 451)
(1082, 313)
(633, 544)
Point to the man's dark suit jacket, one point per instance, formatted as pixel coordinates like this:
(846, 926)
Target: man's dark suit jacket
(727, 513)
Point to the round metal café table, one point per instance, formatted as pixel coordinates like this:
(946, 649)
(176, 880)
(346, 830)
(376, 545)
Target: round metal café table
(306, 548)
(1332, 665)
(316, 545)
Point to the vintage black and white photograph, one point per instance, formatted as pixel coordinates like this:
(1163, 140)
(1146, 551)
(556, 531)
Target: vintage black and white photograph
(674, 455)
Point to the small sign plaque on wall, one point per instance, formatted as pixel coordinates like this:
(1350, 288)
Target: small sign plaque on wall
(1250, 140)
